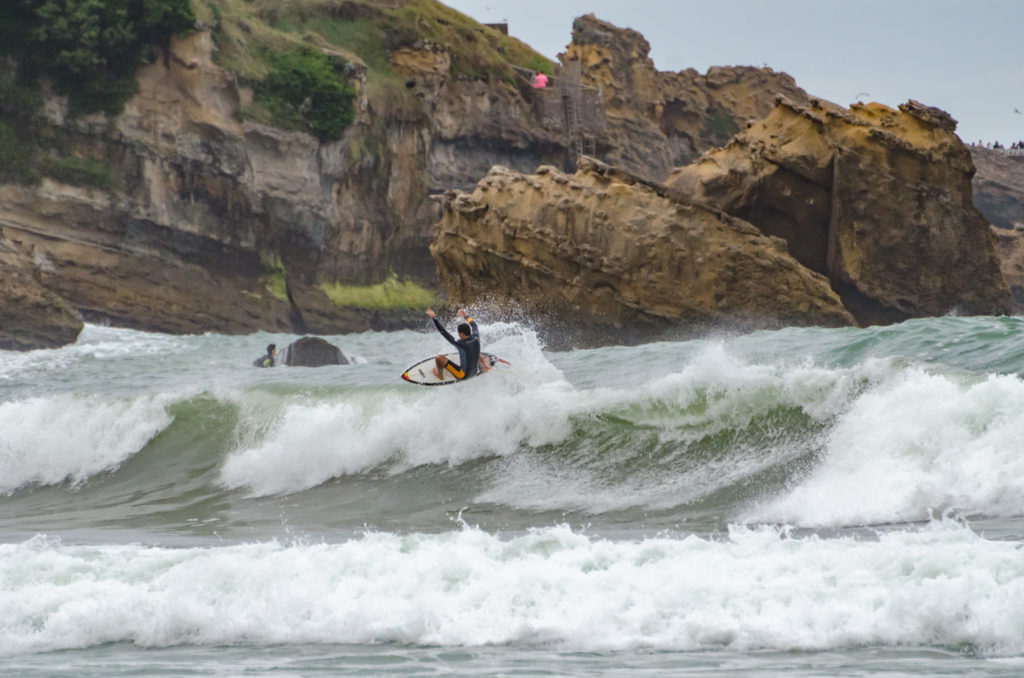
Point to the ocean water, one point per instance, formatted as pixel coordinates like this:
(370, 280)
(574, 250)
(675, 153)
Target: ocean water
(804, 502)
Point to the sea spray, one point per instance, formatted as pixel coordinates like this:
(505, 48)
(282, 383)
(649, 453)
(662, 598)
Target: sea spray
(310, 443)
(48, 440)
(917, 444)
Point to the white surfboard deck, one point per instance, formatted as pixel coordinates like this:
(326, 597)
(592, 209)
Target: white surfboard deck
(422, 373)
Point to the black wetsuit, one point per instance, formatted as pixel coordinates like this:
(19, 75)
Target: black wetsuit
(265, 361)
(469, 350)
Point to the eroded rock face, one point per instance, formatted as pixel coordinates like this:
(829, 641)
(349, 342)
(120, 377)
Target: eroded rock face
(31, 316)
(1011, 262)
(313, 352)
(199, 204)
(618, 257)
(877, 199)
(658, 120)
(134, 273)
(999, 187)
(207, 209)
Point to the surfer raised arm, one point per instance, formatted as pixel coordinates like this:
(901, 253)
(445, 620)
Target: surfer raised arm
(468, 346)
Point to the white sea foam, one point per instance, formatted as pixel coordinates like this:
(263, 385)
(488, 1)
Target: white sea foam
(943, 585)
(310, 442)
(49, 440)
(95, 342)
(915, 445)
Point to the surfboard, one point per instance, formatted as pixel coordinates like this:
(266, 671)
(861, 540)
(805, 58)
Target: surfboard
(422, 373)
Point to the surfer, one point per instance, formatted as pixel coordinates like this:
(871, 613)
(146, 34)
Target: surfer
(468, 345)
(269, 359)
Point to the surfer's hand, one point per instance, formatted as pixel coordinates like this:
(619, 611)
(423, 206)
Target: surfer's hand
(430, 313)
(462, 313)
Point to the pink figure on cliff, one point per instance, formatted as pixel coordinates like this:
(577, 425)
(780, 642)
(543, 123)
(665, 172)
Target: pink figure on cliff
(540, 80)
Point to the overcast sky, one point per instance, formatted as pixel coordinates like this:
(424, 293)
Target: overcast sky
(964, 56)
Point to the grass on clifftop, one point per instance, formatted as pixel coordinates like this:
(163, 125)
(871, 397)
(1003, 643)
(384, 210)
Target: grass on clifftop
(275, 47)
(293, 53)
(249, 32)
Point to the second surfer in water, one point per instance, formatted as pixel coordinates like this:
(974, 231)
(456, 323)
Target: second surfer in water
(468, 345)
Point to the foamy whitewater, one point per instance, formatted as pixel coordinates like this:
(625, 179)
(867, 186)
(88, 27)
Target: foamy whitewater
(802, 502)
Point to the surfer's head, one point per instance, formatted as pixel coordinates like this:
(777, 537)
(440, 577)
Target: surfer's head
(271, 348)
(464, 330)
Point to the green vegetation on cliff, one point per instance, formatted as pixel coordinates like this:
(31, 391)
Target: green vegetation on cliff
(252, 35)
(295, 54)
(391, 294)
(369, 29)
(720, 127)
(80, 171)
(304, 89)
(90, 49)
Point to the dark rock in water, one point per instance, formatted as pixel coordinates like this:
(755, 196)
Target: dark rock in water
(313, 352)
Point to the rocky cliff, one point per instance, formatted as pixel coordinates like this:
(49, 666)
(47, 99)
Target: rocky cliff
(207, 220)
(203, 218)
(877, 199)
(209, 223)
(814, 215)
(659, 120)
(609, 256)
(32, 316)
(999, 195)
(998, 187)
(198, 204)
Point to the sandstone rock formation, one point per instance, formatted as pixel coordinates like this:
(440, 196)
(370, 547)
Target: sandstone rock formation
(130, 272)
(659, 120)
(619, 257)
(877, 199)
(312, 352)
(31, 316)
